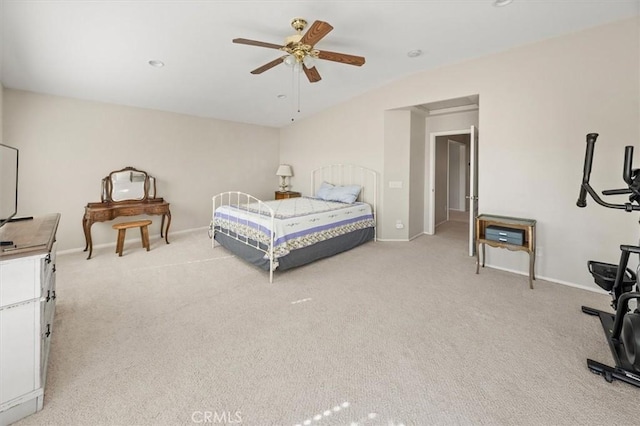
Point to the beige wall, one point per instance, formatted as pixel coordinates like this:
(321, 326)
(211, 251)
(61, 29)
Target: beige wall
(397, 150)
(417, 169)
(67, 146)
(1, 113)
(537, 103)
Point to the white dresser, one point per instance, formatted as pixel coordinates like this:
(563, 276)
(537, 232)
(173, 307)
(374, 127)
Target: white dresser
(27, 306)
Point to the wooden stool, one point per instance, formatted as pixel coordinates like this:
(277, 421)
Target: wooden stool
(122, 229)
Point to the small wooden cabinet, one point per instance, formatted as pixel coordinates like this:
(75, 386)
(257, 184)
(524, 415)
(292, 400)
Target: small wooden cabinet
(27, 307)
(529, 243)
(287, 194)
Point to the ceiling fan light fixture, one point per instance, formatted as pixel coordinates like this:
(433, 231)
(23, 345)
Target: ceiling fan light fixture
(309, 61)
(290, 60)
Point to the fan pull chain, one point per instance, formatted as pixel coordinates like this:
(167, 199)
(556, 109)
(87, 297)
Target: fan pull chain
(293, 88)
(296, 70)
(299, 72)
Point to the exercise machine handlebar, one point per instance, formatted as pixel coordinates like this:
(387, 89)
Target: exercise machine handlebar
(627, 172)
(586, 188)
(586, 173)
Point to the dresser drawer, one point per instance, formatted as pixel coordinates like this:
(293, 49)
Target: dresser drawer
(505, 235)
(19, 352)
(19, 279)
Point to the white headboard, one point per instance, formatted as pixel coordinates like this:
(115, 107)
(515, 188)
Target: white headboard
(348, 174)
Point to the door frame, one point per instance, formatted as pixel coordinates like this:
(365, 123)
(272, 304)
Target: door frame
(473, 187)
(430, 229)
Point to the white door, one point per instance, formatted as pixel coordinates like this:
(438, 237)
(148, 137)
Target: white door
(473, 189)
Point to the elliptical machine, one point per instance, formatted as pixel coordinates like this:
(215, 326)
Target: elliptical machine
(622, 329)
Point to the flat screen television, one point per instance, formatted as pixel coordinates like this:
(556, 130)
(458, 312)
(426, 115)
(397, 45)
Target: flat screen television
(8, 183)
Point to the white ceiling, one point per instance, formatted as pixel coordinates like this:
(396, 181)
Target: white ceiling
(99, 50)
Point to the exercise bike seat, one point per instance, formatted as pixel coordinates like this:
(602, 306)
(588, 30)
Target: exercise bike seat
(604, 274)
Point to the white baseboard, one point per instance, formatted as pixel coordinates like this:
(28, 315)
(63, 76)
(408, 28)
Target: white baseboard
(552, 280)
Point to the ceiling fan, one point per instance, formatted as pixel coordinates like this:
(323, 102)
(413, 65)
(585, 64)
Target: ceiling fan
(300, 49)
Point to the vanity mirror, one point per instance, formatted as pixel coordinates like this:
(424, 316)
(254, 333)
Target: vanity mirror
(128, 184)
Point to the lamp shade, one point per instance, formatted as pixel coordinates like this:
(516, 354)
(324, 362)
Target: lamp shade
(284, 170)
(290, 60)
(309, 61)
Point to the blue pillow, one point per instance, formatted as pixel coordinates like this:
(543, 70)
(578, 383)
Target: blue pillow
(344, 194)
(324, 190)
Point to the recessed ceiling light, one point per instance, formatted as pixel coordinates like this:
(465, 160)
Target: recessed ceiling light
(414, 53)
(500, 3)
(281, 96)
(156, 63)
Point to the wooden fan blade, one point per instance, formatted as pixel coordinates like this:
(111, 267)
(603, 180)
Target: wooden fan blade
(315, 33)
(312, 74)
(268, 66)
(341, 57)
(256, 43)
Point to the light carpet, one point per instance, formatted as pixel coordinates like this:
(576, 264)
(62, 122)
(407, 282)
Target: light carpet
(386, 334)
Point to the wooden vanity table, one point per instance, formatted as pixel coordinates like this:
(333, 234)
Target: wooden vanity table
(126, 192)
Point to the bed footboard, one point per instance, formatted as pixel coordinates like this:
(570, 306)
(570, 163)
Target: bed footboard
(249, 205)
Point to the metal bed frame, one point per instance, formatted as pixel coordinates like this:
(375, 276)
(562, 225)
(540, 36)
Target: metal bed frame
(336, 174)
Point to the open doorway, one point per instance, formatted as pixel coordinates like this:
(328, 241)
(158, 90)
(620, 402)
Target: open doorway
(449, 179)
(453, 180)
(457, 173)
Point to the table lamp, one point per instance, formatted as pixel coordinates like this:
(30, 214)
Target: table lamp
(284, 171)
